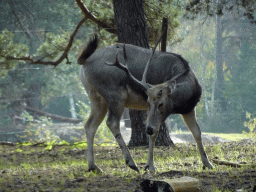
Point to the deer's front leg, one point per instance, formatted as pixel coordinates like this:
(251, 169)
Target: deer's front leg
(150, 163)
(113, 123)
(190, 120)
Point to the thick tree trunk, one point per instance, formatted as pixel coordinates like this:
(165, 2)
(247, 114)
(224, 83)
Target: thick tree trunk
(132, 29)
(131, 22)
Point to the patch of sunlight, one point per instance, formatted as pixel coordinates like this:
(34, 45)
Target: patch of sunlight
(229, 136)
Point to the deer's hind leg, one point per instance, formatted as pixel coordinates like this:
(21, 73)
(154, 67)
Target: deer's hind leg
(98, 112)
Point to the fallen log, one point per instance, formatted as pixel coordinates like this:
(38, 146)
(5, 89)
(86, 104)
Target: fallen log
(183, 184)
(228, 163)
(53, 116)
(232, 164)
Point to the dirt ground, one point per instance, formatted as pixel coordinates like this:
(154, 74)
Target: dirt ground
(57, 179)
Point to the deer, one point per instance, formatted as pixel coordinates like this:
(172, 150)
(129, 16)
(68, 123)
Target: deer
(168, 86)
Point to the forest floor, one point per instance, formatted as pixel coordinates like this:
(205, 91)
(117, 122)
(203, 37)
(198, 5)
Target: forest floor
(64, 168)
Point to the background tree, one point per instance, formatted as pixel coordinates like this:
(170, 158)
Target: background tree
(132, 29)
(40, 30)
(232, 26)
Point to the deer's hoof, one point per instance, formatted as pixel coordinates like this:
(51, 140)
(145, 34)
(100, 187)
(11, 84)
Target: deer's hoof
(132, 165)
(151, 168)
(135, 168)
(208, 165)
(95, 169)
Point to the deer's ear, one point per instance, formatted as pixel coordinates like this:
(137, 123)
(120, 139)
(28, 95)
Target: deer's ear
(171, 86)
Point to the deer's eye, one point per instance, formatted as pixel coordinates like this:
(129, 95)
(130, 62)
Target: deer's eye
(160, 105)
(159, 94)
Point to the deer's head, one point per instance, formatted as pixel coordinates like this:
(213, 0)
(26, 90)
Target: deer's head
(160, 104)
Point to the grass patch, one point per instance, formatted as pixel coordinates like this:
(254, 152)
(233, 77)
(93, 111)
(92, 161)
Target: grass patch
(229, 136)
(64, 168)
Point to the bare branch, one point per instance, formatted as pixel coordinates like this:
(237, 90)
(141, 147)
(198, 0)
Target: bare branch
(32, 60)
(94, 19)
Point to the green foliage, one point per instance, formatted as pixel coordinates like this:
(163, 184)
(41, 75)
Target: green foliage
(84, 110)
(11, 49)
(53, 45)
(155, 11)
(46, 38)
(238, 70)
(250, 124)
(27, 116)
(103, 11)
(63, 142)
(80, 145)
(37, 130)
(18, 150)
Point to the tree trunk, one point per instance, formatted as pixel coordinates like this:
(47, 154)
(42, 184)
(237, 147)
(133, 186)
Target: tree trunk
(203, 65)
(132, 29)
(72, 106)
(33, 97)
(219, 59)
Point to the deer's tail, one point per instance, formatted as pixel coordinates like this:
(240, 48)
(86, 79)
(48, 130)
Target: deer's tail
(88, 50)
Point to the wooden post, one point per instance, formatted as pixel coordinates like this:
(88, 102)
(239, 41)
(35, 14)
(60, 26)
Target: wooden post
(164, 38)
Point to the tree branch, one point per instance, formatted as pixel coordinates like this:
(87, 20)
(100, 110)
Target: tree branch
(94, 19)
(32, 60)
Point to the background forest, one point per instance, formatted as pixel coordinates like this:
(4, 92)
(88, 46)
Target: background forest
(220, 48)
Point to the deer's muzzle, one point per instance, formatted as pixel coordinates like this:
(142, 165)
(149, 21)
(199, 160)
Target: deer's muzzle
(150, 130)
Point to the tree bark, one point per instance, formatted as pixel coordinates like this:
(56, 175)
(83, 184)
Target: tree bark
(132, 29)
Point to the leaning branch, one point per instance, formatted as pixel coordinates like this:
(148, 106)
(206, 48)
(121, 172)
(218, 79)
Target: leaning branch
(32, 60)
(94, 19)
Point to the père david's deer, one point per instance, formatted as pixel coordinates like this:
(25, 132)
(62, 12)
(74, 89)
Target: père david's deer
(168, 86)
